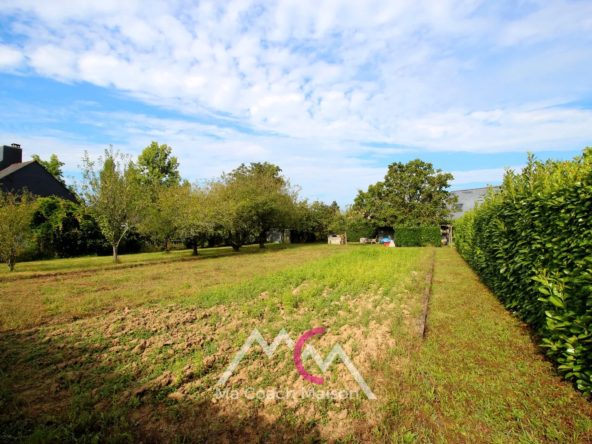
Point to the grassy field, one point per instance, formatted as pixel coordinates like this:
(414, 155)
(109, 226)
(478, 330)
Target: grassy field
(145, 368)
(83, 292)
(25, 270)
(149, 372)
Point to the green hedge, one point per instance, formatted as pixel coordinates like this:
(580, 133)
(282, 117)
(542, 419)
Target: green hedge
(531, 243)
(418, 237)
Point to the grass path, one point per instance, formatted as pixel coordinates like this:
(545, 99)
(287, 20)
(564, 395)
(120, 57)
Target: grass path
(479, 377)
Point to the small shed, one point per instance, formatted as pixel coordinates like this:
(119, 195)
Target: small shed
(337, 239)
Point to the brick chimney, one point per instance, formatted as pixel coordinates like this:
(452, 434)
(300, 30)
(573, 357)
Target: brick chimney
(10, 155)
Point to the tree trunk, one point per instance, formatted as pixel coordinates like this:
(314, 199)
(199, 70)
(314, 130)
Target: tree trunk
(166, 246)
(236, 240)
(115, 248)
(195, 248)
(10, 262)
(262, 239)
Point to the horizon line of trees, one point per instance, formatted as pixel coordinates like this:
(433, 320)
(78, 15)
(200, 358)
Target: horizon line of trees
(130, 202)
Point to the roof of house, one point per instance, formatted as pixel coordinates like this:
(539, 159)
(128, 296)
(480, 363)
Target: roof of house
(14, 167)
(35, 178)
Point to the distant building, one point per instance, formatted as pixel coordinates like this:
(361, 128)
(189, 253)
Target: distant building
(337, 239)
(16, 175)
(467, 199)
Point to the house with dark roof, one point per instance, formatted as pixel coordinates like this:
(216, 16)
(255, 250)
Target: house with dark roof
(16, 175)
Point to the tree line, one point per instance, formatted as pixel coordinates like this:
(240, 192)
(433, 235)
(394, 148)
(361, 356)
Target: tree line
(122, 200)
(130, 202)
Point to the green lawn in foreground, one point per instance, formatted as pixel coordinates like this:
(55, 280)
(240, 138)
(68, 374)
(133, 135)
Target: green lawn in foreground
(480, 377)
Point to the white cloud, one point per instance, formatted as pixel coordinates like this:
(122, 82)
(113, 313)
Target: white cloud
(549, 21)
(536, 128)
(10, 57)
(320, 79)
(345, 70)
(53, 61)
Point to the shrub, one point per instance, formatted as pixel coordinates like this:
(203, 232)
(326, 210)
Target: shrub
(418, 236)
(530, 243)
(15, 219)
(61, 229)
(65, 229)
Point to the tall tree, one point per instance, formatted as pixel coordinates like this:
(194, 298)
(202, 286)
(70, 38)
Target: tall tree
(411, 194)
(53, 166)
(313, 219)
(112, 193)
(199, 217)
(269, 198)
(157, 166)
(160, 218)
(335, 207)
(173, 212)
(233, 215)
(16, 212)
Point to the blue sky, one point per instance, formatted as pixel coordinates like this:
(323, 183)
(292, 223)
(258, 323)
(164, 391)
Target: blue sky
(331, 91)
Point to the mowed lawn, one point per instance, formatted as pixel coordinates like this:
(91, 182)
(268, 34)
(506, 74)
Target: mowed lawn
(25, 270)
(480, 376)
(145, 368)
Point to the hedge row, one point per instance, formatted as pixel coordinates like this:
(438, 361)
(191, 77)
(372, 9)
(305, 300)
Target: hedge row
(531, 243)
(418, 237)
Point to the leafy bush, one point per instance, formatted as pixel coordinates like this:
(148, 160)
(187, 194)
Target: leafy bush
(64, 229)
(353, 225)
(15, 220)
(418, 236)
(531, 243)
